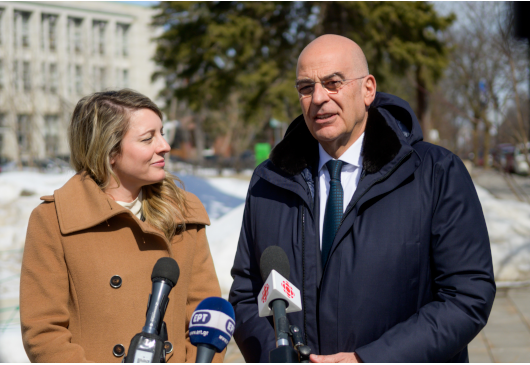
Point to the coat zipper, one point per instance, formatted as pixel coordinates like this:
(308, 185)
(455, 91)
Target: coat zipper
(303, 271)
(375, 182)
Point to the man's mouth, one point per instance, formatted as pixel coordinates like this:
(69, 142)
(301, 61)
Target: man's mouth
(324, 116)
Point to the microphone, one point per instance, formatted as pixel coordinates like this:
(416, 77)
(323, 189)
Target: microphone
(278, 297)
(275, 269)
(148, 345)
(211, 328)
(164, 277)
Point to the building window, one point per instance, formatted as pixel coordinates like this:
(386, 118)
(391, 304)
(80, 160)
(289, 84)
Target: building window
(102, 78)
(51, 134)
(3, 129)
(69, 78)
(26, 75)
(2, 74)
(49, 32)
(43, 76)
(125, 79)
(75, 34)
(53, 78)
(78, 79)
(1, 25)
(98, 37)
(23, 131)
(118, 78)
(122, 39)
(15, 76)
(21, 28)
(43, 26)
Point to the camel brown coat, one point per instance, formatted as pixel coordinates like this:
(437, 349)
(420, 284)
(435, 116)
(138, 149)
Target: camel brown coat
(77, 240)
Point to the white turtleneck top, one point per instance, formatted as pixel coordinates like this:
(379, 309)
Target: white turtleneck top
(135, 206)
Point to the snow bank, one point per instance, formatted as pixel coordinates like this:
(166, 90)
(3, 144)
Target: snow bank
(21, 191)
(223, 236)
(508, 223)
(11, 348)
(231, 186)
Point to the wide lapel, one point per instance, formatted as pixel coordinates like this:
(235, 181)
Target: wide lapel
(81, 204)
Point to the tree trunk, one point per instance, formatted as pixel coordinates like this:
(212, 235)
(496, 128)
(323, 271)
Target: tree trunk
(519, 111)
(198, 133)
(487, 142)
(475, 144)
(422, 99)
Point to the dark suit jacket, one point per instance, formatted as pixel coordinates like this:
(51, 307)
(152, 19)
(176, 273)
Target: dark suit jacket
(409, 277)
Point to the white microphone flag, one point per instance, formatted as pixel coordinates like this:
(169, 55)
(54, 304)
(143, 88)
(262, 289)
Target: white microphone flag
(278, 287)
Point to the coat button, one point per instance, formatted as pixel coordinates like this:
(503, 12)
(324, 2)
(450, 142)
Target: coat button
(115, 281)
(168, 346)
(118, 350)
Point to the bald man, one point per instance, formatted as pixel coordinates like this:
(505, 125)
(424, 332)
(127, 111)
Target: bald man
(384, 233)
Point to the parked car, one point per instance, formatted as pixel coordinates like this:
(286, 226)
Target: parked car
(511, 158)
(520, 160)
(503, 156)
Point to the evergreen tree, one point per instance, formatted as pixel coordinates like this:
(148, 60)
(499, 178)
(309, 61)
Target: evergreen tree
(397, 37)
(233, 63)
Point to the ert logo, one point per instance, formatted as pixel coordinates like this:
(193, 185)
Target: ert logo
(288, 289)
(265, 293)
(201, 318)
(230, 327)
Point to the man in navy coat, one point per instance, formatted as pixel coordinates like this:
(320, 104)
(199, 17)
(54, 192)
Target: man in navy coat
(385, 234)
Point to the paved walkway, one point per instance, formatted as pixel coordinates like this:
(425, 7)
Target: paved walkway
(503, 186)
(506, 337)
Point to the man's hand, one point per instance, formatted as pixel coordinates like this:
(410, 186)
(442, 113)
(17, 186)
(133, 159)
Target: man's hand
(340, 357)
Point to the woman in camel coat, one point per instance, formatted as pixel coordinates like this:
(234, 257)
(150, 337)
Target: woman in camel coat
(91, 246)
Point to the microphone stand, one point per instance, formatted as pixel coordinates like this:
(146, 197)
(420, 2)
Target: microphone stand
(283, 353)
(303, 350)
(148, 347)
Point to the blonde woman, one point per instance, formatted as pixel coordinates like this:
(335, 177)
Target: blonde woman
(91, 246)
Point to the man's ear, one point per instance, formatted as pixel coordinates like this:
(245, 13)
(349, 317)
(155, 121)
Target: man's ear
(369, 88)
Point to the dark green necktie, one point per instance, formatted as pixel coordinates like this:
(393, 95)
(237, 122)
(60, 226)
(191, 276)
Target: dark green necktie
(333, 214)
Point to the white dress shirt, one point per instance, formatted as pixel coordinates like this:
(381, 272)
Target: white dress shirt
(349, 176)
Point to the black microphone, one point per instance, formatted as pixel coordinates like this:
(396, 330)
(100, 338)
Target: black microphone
(164, 277)
(281, 296)
(148, 345)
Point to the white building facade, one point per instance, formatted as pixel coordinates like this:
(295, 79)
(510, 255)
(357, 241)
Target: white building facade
(54, 53)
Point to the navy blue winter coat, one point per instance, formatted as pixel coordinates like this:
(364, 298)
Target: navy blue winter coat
(409, 277)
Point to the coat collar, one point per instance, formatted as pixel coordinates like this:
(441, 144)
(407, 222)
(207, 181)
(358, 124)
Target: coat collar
(81, 204)
(299, 149)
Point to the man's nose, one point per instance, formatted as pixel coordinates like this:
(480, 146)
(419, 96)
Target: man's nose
(320, 95)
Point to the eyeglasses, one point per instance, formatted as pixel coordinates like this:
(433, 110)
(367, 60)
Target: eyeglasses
(307, 87)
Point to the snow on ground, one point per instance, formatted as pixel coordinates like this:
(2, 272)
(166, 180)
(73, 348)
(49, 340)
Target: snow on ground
(223, 235)
(20, 192)
(223, 197)
(508, 223)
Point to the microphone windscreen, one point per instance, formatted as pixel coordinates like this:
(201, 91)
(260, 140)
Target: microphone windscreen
(212, 323)
(274, 258)
(166, 268)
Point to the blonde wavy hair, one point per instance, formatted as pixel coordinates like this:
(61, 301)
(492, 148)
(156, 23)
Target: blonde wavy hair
(97, 127)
